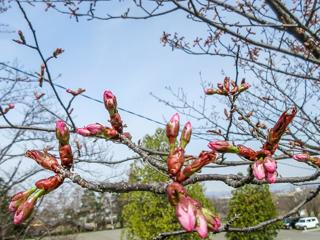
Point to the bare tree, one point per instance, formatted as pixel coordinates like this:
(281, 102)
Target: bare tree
(273, 42)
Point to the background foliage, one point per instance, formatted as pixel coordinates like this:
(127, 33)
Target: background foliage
(253, 204)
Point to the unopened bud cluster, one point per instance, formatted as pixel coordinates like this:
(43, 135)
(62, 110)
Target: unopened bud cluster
(190, 214)
(304, 157)
(22, 203)
(228, 87)
(264, 166)
(99, 130)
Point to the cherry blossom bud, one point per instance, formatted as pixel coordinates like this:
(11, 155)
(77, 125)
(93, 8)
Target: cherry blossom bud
(84, 132)
(185, 212)
(210, 91)
(172, 129)
(258, 170)
(301, 157)
(243, 87)
(174, 192)
(44, 159)
(38, 96)
(247, 152)
(110, 102)
(94, 129)
(278, 130)
(271, 177)
(270, 164)
(220, 86)
(20, 198)
(222, 147)
(62, 132)
(110, 133)
(116, 122)
(75, 93)
(21, 36)
(41, 75)
(203, 159)
(66, 156)
(213, 221)
(57, 52)
(49, 184)
(226, 84)
(186, 135)
(201, 225)
(26, 208)
(175, 161)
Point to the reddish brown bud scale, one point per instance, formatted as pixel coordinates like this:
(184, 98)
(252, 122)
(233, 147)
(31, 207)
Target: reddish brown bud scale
(57, 52)
(175, 161)
(45, 160)
(66, 156)
(110, 133)
(110, 102)
(116, 122)
(49, 184)
(210, 91)
(247, 152)
(278, 130)
(204, 159)
(174, 192)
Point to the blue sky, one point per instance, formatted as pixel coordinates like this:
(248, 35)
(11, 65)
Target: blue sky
(124, 56)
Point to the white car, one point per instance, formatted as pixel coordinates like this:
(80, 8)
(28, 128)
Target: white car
(307, 222)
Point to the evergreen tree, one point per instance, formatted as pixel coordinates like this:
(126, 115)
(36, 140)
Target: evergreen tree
(253, 204)
(147, 214)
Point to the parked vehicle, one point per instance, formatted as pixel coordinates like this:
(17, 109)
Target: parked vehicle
(307, 222)
(289, 223)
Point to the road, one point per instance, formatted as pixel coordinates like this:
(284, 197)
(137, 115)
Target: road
(313, 234)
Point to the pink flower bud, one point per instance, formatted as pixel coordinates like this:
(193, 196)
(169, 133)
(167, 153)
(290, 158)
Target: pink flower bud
(44, 159)
(220, 86)
(11, 106)
(20, 198)
(271, 177)
(301, 157)
(25, 209)
(95, 128)
(185, 212)
(201, 225)
(91, 130)
(75, 92)
(186, 135)
(49, 184)
(222, 147)
(270, 165)
(258, 170)
(83, 131)
(213, 222)
(172, 129)
(110, 102)
(62, 132)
